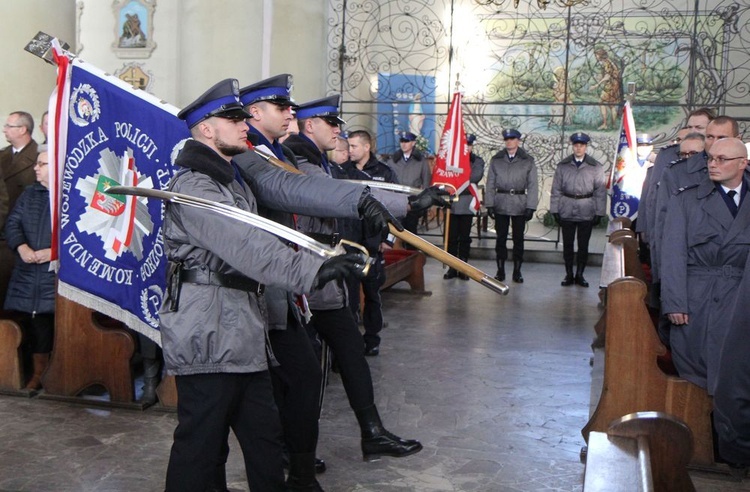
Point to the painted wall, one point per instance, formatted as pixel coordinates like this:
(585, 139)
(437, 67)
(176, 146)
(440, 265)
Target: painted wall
(28, 81)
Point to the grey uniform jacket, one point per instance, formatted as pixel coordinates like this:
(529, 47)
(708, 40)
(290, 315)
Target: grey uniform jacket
(414, 172)
(647, 203)
(702, 261)
(518, 175)
(463, 205)
(680, 173)
(217, 329)
(289, 193)
(573, 180)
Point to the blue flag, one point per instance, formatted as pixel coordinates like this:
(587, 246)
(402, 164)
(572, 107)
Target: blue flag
(111, 251)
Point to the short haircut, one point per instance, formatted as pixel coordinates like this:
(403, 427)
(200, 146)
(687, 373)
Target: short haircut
(728, 120)
(26, 120)
(342, 139)
(364, 135)
(707, 112)
(41, 148)
(694, 136)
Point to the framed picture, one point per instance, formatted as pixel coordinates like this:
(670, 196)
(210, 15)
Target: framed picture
(134, 28)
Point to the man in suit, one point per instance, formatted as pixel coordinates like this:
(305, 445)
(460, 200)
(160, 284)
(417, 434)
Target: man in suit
(16, 160)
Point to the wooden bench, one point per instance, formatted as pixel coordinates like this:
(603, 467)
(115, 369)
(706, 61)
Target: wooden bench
(404, 265)
(11, 364)
(633, 381)
(645, 451)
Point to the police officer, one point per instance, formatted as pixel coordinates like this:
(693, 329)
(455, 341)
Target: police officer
(511, 197)
(578, 203)
(211, 320)
(319, 128)
(411, 169)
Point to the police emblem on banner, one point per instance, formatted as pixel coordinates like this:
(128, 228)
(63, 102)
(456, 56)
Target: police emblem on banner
(84, 105)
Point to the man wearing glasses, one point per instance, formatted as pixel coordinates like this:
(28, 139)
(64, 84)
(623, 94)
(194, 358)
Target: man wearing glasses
(16, 160)
(707, 226)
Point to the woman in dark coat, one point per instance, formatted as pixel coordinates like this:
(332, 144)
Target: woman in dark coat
(32, 285)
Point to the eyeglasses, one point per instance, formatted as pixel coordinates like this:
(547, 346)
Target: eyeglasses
(722, 160)
(685, 155)
(11, 126)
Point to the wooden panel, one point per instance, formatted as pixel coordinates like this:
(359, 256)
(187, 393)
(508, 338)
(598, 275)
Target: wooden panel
(11, 372)
(86, 353)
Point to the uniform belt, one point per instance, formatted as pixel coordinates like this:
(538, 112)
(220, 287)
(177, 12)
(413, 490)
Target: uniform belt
(329, 239)
(510, 192)
(719, 271)
(577, 197)
(207, 277)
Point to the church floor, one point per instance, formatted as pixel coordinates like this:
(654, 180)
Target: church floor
(496, 388)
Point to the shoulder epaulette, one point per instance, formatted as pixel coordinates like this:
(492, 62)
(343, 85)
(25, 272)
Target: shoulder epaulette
(685, 188)
(677, 161)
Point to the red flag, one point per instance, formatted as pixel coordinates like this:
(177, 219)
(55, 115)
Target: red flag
(452, 165)
(57, 115)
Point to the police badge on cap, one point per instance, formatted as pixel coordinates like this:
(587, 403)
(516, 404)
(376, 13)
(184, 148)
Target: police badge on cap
(276, 90)
(580, 137)
(326, 108)
(222, 100)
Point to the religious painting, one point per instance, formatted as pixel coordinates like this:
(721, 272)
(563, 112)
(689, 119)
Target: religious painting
(406, 103)
(134, 28)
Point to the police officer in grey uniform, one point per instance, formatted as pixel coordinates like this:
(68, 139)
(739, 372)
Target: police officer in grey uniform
(578, 203)
(708, 227)
(511, 197)
(411, 169)
(212, 318)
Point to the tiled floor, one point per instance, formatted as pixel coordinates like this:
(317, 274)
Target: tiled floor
(496, 388)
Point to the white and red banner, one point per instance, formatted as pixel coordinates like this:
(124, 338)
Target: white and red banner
(628, 173)
(452, 165)
(110, 252)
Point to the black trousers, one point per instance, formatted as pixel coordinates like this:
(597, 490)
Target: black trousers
(372, 314)
(571, 229)
(459, 236)
(502, 223)
(38, 332)
(296, 386)
(208, 406)
(411, 221)
(339, 330)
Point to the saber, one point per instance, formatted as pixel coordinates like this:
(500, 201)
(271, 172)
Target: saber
(450, 260)
(272, 159)
(416, 241)
(387, 186)
(248, 218)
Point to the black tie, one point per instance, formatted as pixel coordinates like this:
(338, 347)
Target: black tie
(732, 204)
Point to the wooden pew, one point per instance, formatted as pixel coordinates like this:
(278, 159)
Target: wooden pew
(89, 350)
(646, 451)
(405, 265)
(11, 364)
(633, 381)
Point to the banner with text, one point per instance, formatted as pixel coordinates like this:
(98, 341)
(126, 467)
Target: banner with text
(111, 254)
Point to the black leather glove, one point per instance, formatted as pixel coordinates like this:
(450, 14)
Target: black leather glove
(339, 267)
(557, 218)
(529, 214)
(491, 213)
(376, 217)
(427, 198)
(597, 220)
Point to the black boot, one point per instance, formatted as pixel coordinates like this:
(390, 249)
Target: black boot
(579, 275)
(517, 277)
(569, 279)
(500, 270)
(302, 473)
(151, 379)
(451, 273)
(377, 442)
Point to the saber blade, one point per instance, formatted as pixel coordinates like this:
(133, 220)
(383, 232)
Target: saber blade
(243, 216)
